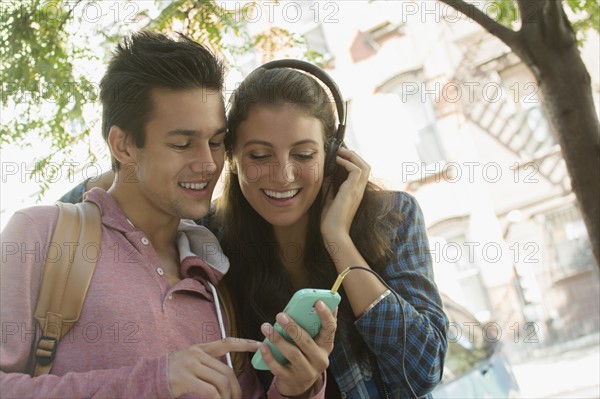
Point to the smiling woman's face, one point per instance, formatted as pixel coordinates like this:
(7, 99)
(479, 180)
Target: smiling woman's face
(279, 156)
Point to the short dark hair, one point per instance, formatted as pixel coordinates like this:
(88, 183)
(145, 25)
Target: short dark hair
(146, 61)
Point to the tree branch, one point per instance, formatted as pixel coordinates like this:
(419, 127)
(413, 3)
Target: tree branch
(530, 11)
(508, 36)
(557, 30)
(68, 16)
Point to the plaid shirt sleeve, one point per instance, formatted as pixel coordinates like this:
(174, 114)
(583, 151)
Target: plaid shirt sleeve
(76, 194)
(408, 336)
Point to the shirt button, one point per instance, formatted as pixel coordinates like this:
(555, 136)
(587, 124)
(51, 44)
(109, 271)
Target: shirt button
(160, 271)
(343, 395)
(145, 241)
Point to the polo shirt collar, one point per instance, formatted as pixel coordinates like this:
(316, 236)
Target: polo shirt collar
(199, 250)
(112, 215)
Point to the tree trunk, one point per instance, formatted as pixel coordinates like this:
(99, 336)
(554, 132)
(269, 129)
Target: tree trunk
(546, 43)
(567, 98)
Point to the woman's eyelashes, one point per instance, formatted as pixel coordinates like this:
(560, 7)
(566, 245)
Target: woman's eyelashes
(299, 156)
(304, 156)
(258, 157)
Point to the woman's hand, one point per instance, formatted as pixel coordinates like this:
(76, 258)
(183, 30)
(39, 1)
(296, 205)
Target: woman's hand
(307, 359)
(339, 212)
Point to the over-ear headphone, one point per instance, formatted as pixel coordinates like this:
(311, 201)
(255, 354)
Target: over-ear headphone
(337, 140)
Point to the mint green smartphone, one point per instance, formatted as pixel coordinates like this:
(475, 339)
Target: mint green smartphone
(301, 308)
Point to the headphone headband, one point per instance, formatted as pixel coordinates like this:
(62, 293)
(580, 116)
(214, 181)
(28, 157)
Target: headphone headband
(324, 77)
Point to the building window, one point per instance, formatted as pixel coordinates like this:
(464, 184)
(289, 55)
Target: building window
(457, 268)
(468, 275)
(381, 20)
(416, 116)
(317, 43)
(568, 243)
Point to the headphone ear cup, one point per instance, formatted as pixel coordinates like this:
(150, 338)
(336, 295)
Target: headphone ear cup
(330, 164)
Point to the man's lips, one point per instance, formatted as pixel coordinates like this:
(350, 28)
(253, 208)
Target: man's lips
(194, 186)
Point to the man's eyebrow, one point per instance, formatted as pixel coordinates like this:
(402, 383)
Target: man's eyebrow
(191, 133)
(221, 130)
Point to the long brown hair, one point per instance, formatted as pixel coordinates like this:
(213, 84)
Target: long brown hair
(257, 275)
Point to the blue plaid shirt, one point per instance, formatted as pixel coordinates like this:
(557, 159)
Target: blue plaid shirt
(408, 338)
(75, 196)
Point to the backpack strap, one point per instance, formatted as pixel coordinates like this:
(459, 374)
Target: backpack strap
(70, 261)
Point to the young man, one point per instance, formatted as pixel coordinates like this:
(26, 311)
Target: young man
(149, 325)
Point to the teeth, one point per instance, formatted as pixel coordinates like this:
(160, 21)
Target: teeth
(194, 186)
(281, 195)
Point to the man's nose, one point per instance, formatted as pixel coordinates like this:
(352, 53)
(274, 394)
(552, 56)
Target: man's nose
(203, 161)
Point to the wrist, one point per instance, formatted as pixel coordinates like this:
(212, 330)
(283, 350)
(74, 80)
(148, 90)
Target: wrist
(338, 239)
(338, 245)
(333, 231)
(295, 391)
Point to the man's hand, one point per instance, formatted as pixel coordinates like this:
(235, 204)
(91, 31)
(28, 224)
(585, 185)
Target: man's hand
(197, 369)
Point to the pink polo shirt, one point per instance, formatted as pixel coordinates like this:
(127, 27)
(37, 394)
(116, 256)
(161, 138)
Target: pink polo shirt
(131, 319)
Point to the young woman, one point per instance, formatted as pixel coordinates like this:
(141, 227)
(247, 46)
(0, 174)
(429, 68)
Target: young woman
(285, 227)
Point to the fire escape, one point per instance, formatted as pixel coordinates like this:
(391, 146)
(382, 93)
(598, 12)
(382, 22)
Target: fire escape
(523, 131)
(514, 117)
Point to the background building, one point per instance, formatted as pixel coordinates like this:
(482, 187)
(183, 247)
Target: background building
(445, 111)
